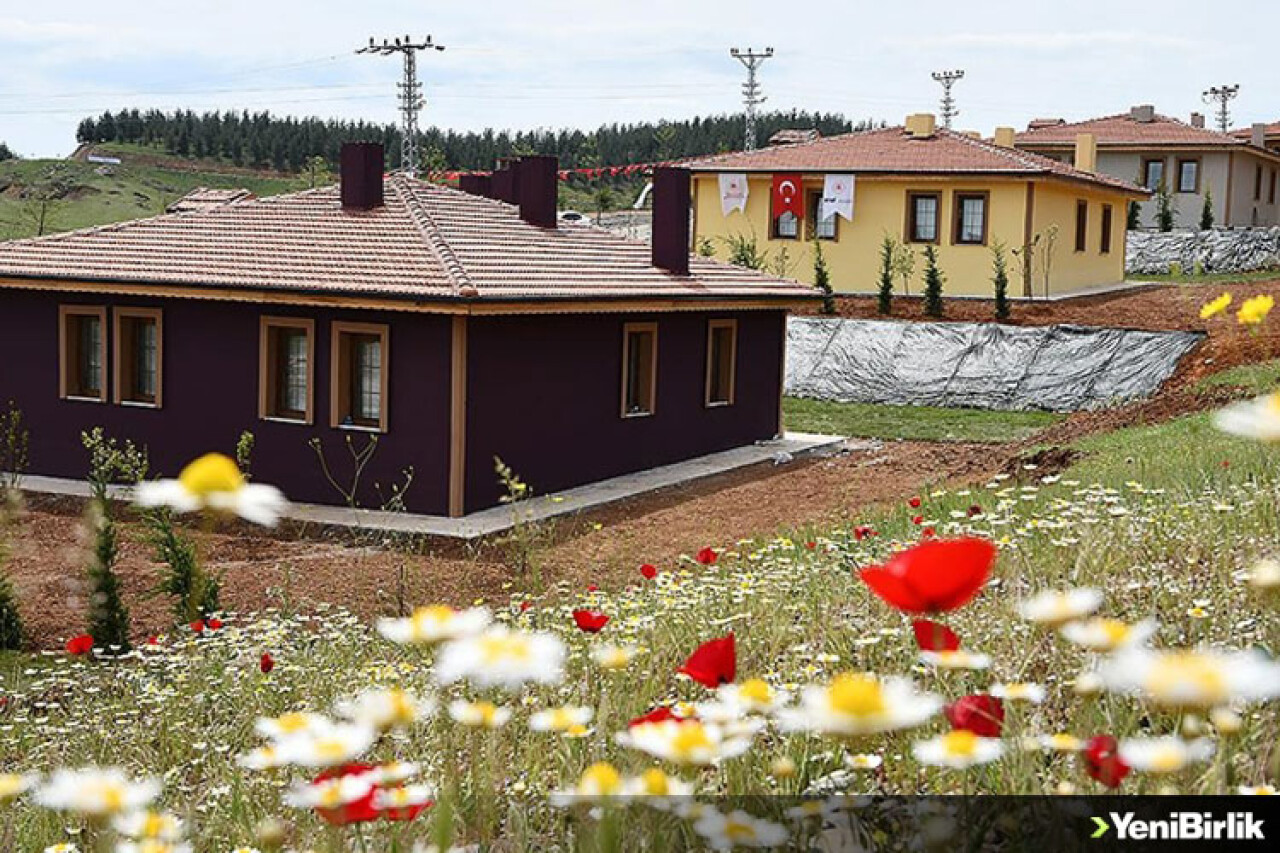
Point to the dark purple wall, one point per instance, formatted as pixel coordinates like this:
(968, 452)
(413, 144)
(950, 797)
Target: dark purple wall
(211, 395)
(544, 394)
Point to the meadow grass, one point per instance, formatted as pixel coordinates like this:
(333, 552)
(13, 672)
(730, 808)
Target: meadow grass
(912, 423)
(1163, 519)
(1259, 378)
(1210, 277)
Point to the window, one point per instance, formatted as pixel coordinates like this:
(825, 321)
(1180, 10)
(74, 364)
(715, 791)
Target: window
(922, 217)
(82, 348)
(1106, 230)
(722, 357)
(971, 218)
(139, 354)
(1082, 225)
(286, 369)
(1271, 196)
(360, 365)
(639, 369)
(1152, 173)
(1188, 176)
(1257, 185)
(786, 226)
(819, 229)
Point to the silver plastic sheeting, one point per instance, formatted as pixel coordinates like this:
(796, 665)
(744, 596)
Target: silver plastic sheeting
(978, 365)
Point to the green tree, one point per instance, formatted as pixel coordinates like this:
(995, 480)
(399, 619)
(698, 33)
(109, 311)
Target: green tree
(1135, 216)
(1165, 214)
(744, 251)
(822, 279)
(888, 254)
(6, 153)
(1206, 211)
(933, 281)
(1000, 278)
(11, 630)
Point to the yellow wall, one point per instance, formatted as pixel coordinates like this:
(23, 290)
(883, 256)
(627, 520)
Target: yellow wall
(880, 209)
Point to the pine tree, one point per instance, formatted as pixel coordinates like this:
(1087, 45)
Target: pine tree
(1165, 214)
(822, 279)
(1000, 278)
(888, 252)
(1206, 212)
(108, 617)
(933, 280)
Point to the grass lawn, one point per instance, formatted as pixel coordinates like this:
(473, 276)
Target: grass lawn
(1210, 278)
(1260, 378)
(916, 423)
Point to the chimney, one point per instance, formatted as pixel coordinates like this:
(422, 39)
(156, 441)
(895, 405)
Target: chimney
(478, 184)
(361, 175)
(1004, 137)
(671, 219)
(539, 184)
(1258, 135)
(921, 125)
(1145, 113)
(500, 183)
(1197, 120)
(1086, 152)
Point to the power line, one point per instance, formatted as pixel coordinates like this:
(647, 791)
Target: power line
(411, 101)
(1223, 95)
(948, 79)
(751, 97)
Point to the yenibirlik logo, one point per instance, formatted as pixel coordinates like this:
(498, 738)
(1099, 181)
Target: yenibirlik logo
(1182, 826)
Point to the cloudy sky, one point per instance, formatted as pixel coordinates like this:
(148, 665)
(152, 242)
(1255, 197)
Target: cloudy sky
(536, 63)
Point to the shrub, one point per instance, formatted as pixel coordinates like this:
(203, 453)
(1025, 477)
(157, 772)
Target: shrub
(822, 279)
(15, 440)
(744, 251)
(527, 534)
(888, 254)
(1206, 211)
(1166, 216)
(933, 280)
(194, 592)
(1000, 278)
(11, 631)
(1135, 216)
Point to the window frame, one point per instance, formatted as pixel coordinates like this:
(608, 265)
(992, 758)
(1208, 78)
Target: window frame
(340, 376)
(910, 230)
(1195, 189)
(1108, 224)
(269, 369)
(1082, 225)
(958, 198)
(65, 313)
(813, 206)
(1271, 194)
(731, 397)
(628, 329)
(1147, 163)
(1257, 184)
(118, 316)
(776, 234)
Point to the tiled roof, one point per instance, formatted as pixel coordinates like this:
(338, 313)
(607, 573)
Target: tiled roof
(428, 242)
(202, 198)
(894, 151)
(1246, 133)
(1123, 129)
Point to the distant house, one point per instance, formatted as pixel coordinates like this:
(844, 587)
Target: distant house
(1190, 159)
(924, 186)
(1260, 135)
(203, 198)
(450, 326)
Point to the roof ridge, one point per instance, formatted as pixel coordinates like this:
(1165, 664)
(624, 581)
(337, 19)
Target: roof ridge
(711, 158)
(459, 280)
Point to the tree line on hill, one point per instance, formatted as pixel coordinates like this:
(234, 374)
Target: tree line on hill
(262, 140)
(6, 153)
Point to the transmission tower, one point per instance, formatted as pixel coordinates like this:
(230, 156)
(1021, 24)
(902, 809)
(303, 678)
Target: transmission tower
(1223, 95)
(751, 96)
(411, 101)
(948, 79)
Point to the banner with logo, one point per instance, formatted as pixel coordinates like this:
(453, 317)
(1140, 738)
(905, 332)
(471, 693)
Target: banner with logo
(787, 195)
(837, 197)
(733, 192)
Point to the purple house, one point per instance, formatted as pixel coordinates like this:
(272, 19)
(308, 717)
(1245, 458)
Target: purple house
(452, 325)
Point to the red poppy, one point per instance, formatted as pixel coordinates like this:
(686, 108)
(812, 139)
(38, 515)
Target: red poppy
(811, 545)
(80, 645)
(357, 811)
(979, 713)
(198, 626)
(934, 636)
(266, 663)
(862, 531)
(915, 502)
(590, 621)
(649, 572)
(592, 588)
(214, 624)
(713, 663)
(660, 714)
(525, 605)
(975, 510)
(927, 533)
(708, 556)
(153, 640)
(1102, 761)
(917, 519)
(934, 576)
(407, 812)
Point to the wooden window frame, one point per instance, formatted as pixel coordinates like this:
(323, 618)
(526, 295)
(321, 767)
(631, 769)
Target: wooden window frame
(1257, 184)
(910, 228)
(775, 234)
(340, 379)
(1181, 161)
(627, 330)
(958, 198)
(118, 316)
(1082, 225)
(813, 206)
(65, 313)
(732, 326)
(268, 369)
(1147, 162)
(1108, 225)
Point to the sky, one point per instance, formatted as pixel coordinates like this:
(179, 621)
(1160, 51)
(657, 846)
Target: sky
(525, 64)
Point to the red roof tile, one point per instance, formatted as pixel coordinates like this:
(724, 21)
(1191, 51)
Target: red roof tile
(1123, 129)
(1246, 133)
(428, 242)
(893, 151)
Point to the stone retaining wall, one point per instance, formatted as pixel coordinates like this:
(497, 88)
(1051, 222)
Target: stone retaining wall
(1217, 250)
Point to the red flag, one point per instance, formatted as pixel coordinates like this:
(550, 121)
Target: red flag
(787, 195)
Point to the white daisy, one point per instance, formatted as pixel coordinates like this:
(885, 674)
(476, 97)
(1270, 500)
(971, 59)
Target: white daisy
(564, 719)
(14, 785)
(690, 742)
(330, 793)
(1257, 790)
(955, 659)
(149, 824)
(599, 783)
(1057, 607)
(1018, 692)
(484, 715)
(403, 797)
(435, 624)
(338, 743)
(958, 749)
(287, 725)
(214, 482)
(386, 709)
(738, 829)
(1258, 418)
(1182, 679)
(500, 657)
(1167, 754)
(1108, 635)
(95, 792)
(856, 704)
(614, 657)
(863, 761)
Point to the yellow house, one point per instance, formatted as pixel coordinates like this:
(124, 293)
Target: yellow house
(920, 185)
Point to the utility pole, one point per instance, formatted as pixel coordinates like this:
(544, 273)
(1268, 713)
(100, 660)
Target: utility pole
(1223, 95)
(411, 101)
(948, 79)
(751, 96)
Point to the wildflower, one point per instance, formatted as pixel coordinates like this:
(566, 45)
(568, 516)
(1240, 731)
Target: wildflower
(590, 621)
(783, 767)
(1167, 754)
(561, 719)
(1193, 679)
(214, 482)
(979, 713)
(654, 783)
(1258, 419)
(62, 847)
(856, 704)
(329, 746)
(1255, 309)
(266, 663)
(707, 556)
(14, 785)
(934, 636)
(914, 502)
(1058, 607)
(151, 845)
(266, 757)
(1018, 692)
(648, 572)
(80, 645)
(1060, 742)
(1087, 684)
(95, 792)
(1215, 306)
(403, 802)
(599, 781)
(149, 824)
(499, 657)
(863, 531)
(713, 663)
(934, 576)
(957, 659)
(959, 749)
(658, 715)
(295, 723)
(1102, 761)
(738, 829)
(1108, 635)
(484, 715)
(384, 710)
(341, 796)
(863, 761)
(1226, 721)
(1265, 575)
(613, 657)
(435, 624)
(752, 696)
(1251, 790)
(689, 742)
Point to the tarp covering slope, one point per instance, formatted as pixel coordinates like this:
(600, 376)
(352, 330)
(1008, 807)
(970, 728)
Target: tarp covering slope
(978, 365)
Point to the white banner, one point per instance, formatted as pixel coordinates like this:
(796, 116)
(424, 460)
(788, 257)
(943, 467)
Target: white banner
(837, 197)
(733, 192)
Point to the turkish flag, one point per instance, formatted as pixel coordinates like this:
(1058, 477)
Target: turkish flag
(788, 195)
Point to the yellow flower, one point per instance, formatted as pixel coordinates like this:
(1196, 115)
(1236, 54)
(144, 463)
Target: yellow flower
(1215, 307)
(1255, 310)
